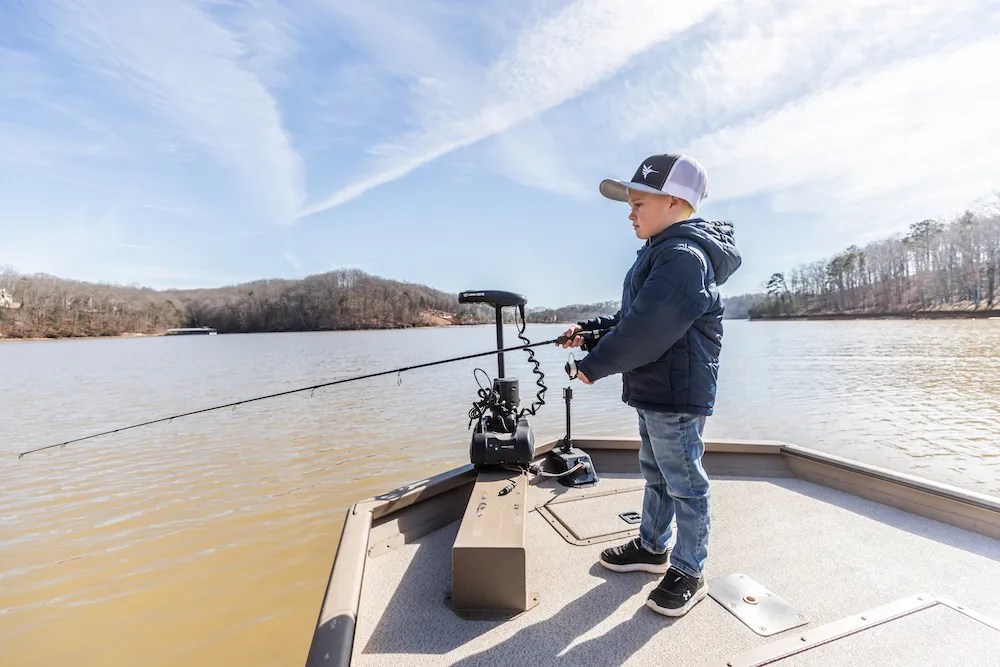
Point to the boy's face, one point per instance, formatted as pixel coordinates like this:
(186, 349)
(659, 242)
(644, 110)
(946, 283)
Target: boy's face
(651, 214)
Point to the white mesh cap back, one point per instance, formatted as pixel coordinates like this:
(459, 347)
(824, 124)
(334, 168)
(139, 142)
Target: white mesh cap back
(687, 179)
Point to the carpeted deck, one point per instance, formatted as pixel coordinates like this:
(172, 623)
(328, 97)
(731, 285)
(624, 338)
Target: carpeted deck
(828, 553)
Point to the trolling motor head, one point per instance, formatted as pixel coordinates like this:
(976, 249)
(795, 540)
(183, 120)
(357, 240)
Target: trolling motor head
(501, 437)
(498, 300)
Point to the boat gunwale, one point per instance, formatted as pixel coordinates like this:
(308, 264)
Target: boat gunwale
(353, 549)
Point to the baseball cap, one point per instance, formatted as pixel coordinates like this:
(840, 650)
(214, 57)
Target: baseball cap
(669, 174)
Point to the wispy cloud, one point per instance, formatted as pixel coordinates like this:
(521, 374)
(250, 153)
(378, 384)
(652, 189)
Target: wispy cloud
(747, 61)
(267, 32)
(187, 68)
(759, 54)
(913, 139)
(536, 156)
(554, 60)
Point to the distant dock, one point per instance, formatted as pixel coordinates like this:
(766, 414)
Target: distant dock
(191, 331)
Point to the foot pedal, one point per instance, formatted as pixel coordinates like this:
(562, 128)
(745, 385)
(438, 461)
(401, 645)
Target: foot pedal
(566, 459)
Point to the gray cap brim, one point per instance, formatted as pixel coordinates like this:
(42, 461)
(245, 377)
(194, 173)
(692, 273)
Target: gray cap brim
(618, 190)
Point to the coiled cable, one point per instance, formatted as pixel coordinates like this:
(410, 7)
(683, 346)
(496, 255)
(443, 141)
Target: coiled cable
(537, 370)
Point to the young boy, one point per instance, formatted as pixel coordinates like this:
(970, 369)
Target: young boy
(666, 342)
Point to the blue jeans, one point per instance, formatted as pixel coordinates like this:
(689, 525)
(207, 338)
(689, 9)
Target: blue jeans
(676, 485)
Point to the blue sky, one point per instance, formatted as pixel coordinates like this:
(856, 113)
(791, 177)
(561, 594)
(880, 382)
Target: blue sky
(460, 144)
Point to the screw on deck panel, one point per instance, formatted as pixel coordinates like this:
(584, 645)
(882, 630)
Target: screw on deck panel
(802, 638)
(762, 628)
(864, 618)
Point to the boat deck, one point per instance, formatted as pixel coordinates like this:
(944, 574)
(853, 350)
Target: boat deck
(830, 554)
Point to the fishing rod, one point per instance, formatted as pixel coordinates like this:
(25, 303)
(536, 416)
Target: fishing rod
(590, 337)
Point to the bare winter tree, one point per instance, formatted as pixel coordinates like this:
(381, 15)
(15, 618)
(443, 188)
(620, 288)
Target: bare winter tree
(933, 267)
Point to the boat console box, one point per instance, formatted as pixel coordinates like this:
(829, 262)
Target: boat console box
(489, 563)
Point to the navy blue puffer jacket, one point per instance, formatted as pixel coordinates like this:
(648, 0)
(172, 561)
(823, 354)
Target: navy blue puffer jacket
(668, 334)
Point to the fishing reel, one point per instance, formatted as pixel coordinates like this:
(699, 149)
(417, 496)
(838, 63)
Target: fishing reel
(590, 340)
(502, 434)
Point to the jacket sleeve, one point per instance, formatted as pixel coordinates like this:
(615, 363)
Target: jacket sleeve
(601, 322)
(673, 296)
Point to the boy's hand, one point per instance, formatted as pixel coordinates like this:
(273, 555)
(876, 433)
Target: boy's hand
(582, 378)
(574, 340)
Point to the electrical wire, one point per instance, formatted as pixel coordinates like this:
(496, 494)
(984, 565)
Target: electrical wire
(537, 370)
(542, 473)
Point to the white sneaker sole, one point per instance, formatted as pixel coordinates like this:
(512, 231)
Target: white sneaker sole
(680, 611)
(652, 568)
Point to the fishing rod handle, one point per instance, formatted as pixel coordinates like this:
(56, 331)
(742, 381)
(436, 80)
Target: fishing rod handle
(590, 338)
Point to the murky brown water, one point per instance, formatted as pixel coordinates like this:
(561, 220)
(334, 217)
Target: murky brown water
(208, 540)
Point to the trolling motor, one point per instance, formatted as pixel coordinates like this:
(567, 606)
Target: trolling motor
(502, 435)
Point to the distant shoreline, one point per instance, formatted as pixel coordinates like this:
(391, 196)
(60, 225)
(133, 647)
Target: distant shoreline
(905, 315)
(11, 339)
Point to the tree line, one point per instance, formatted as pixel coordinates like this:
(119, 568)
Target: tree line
(40, 305)
(45, 306)
(572, 313)
(935, 266)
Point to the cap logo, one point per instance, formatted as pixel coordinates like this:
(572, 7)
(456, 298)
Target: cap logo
(647, 170)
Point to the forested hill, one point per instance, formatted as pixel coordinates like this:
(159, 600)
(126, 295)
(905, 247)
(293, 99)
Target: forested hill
(45, 306)
(935, 268)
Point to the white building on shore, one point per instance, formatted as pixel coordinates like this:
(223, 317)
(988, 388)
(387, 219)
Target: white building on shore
(7, 300)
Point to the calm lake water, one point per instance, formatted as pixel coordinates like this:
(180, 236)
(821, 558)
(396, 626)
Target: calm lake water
(208, 540)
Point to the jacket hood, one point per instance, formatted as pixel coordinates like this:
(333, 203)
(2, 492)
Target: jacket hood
(715, 237)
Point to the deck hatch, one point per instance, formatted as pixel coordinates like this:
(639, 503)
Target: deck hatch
(593, 517)
(757, 607)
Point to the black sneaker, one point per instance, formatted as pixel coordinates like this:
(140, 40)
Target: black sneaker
(632, 557)
(677, 593)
